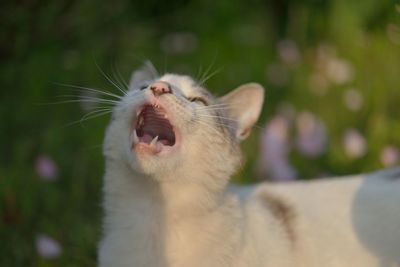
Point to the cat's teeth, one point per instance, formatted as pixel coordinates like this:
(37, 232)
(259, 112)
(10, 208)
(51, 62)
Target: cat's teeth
(141, 121)
(154, 141)
(159, 147)
(134, 139)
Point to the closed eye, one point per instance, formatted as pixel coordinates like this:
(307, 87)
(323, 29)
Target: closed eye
(198, 100)
(144, 86)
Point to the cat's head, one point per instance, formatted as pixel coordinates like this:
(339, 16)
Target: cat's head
(170, 124)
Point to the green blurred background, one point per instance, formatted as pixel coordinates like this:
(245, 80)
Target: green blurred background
(330, 69)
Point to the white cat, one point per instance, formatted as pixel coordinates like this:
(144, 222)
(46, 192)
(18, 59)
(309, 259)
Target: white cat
(170, 150)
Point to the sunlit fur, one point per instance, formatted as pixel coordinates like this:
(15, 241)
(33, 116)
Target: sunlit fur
(178, 211)
(202, 129)
(155, 206)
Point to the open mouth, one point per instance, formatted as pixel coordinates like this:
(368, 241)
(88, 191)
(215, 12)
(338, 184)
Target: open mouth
(153, 130)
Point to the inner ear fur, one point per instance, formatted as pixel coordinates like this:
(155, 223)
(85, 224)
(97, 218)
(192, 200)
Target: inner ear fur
(245, 105)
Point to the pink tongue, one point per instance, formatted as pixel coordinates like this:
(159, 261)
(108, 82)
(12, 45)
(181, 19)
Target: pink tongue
(165, 142)
(146, 138)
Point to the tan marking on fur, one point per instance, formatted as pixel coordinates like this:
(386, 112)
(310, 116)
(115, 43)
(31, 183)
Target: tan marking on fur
(282, 211)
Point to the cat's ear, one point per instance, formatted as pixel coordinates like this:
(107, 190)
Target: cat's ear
(244, 105)
(145, 74)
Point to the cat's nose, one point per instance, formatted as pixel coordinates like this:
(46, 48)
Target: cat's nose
(159, 88)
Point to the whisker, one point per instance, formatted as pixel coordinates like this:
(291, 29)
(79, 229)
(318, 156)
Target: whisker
(99, 100)
(109, 79)
(222, 124)
(165, 62)
(219, 123)
(199, 75)
(215, 105)
(94, 113)
(211, 109)
(99, 113)
(79, 101)
(118, 77)
(90, 90)
(122, 78)
(217, 117)
(211, 127)
(207, 111)
(206, 73)
(226, 105)
(87, 97)
(95, 116)
(257, 126)
(210, 75)
(229, 119)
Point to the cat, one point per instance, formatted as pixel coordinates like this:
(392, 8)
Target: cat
(170, 150)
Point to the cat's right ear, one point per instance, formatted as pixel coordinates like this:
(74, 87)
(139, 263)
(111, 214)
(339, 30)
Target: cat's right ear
(146, 73)
(244, 106)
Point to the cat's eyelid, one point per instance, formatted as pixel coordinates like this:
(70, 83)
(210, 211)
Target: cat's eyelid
(143, 86)
(198, 99)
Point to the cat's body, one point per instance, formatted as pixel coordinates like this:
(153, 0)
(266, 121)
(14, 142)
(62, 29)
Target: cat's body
(167, 203)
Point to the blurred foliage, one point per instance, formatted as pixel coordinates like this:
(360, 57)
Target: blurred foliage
(288, 46)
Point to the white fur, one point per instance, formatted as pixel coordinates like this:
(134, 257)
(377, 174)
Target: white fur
(177, 211)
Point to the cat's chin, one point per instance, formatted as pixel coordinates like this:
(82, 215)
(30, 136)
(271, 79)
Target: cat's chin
(153, 158)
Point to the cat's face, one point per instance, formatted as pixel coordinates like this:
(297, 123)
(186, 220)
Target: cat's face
(171, 124)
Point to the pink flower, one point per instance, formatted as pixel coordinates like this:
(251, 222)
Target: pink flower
(275, 149)
(275, 138)
(311, 135)
(288, 51)
(336, 70)
(46, 168)
(47, 247)
(282, 171)
(354, 143)
(353, 99)
(339, 71)
(390, 156)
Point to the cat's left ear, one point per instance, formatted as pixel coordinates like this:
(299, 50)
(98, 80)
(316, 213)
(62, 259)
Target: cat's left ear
(146, 73)
(245, 105)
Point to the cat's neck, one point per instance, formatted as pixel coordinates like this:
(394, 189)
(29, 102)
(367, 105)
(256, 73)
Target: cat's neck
(165, 215)
(175, 195)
